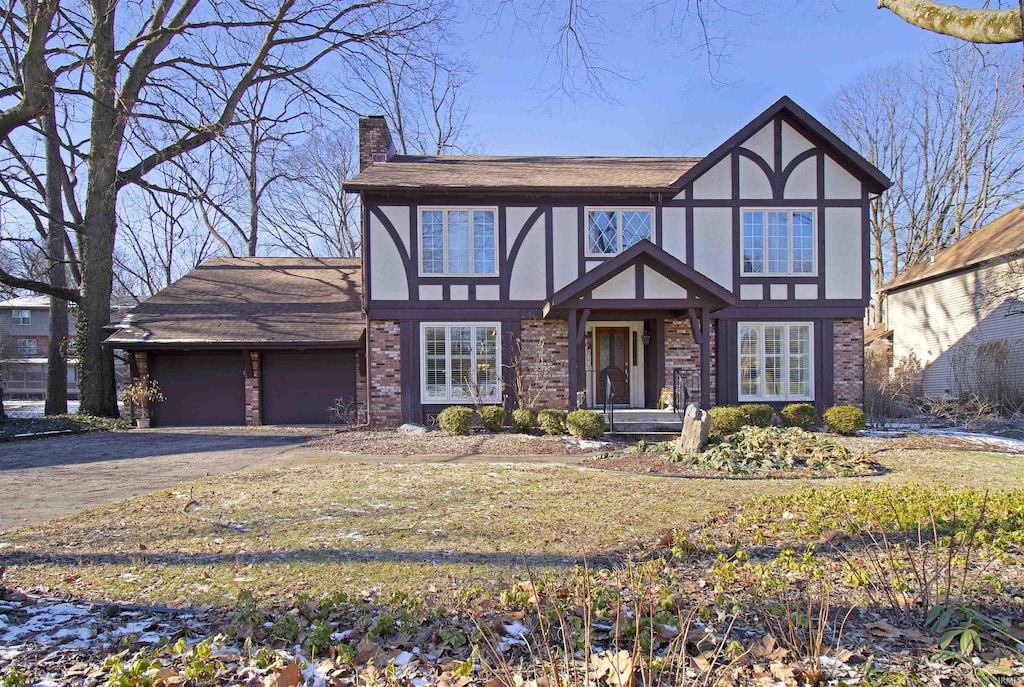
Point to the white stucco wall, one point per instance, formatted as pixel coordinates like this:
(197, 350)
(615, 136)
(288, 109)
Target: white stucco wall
(515, 218)
(528, 281)
(566, 240)
(673, 232)
(657, 285)
(398, 215)
(803, 181)
(793, 143)
(839, 183)
(753, 182)
(844, 265)
(763, 143)
(716, 183)
(622, 285)
(712, 244)
(387, 270)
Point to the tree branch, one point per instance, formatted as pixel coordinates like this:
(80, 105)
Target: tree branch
(969, 24)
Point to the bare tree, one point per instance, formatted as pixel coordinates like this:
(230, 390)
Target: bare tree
(972, 24)
(950, 134)
(310, 215)
(152, 85)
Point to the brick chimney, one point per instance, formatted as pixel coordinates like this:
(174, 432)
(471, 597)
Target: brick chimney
(375, 144)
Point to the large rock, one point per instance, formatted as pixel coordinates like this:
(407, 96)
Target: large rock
(413, 428)
(696, 426)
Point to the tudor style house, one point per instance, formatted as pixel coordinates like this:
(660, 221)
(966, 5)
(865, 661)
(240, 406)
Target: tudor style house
(570, 281)
(743, 274)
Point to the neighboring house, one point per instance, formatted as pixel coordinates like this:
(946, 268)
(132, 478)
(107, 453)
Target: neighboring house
(933, 307)
(250, 341)
(24, 338)
(742, 275)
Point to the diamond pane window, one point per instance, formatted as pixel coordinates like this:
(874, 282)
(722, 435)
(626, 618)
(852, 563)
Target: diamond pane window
(636, 226)
(610, 232)
(604, 232)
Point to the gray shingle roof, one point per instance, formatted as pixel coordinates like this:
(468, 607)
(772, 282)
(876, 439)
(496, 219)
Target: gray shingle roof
(253, 301)
(511, 172)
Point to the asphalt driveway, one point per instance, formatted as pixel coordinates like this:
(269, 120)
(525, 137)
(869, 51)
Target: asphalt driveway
(49, 478)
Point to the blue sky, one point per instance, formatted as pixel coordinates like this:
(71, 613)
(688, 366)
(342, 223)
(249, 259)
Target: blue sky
(671, 105)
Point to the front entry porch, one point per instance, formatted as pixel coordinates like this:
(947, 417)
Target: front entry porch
(639, 330)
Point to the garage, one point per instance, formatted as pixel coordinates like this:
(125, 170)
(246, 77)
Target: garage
(298, 387)
(200, 388)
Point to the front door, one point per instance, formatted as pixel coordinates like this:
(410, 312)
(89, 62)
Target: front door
(611, 353)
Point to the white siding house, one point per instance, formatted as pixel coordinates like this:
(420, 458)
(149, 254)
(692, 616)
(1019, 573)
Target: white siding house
(934, 307)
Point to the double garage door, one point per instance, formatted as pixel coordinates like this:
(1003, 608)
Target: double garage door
(297, 387)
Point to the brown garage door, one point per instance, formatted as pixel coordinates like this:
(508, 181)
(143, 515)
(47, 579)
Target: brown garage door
(298, 387)
(201, 389)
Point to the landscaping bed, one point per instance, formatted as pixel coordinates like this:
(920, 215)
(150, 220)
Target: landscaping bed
(752, 453)
(437, 443)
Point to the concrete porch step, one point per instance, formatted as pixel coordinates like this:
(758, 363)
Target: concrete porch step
(641, 421)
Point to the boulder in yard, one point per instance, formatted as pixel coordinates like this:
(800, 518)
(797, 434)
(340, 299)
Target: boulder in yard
(696, 426)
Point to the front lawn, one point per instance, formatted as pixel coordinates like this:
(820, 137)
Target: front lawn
(410, 528)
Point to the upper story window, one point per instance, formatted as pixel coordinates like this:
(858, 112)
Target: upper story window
(26, 346)
(611, 231)
(458, 241)
(778, 242)
(21, 317)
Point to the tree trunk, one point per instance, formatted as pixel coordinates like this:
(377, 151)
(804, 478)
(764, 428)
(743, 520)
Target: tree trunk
(56, 364)
(96, 364)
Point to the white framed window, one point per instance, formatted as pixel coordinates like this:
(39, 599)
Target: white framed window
(776, 361)
(26, 346)
(779, 242)
(612, 230)
(460, 362)
(458, 241)
(21, 317)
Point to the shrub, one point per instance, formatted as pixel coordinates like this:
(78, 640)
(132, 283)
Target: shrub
(491, 417)
(726, 420)
(552, 421)
(524, 420)
(843, 419)
(802, 415)
(585, 424)
(759, 449)
(758, 414)
(455, 420)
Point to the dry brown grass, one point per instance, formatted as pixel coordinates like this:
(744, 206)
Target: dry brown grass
(413, 528)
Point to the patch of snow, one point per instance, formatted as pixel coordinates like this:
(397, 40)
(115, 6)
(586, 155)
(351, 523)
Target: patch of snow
(404, 658)
(587, 444)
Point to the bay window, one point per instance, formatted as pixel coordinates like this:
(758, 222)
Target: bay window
(461, 363)
(611, 231)
(458, 241)
(778, 242)
(776, 361)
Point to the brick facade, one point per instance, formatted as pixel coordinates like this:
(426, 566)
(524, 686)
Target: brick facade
(375, 143)
(253, 415)
(385, 372)
(683, 353)
(361, 415)
(138, 371)
(545, 362)
(848, 365)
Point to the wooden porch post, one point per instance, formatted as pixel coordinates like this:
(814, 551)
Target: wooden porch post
(705, 358)
(573, 359)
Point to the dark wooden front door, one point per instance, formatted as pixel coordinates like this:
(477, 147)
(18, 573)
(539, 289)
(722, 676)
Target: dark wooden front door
(611, 354)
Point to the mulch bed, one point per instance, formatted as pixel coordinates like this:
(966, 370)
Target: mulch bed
(436, 443)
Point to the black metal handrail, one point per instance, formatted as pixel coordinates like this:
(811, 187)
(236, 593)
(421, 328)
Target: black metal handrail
(609, 396)
(683, 383)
